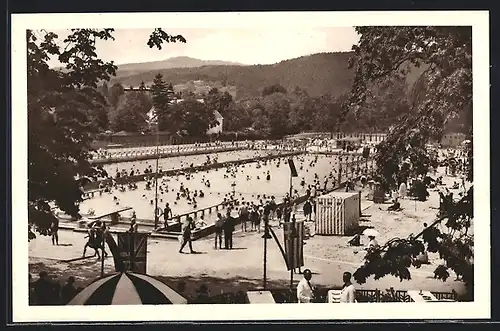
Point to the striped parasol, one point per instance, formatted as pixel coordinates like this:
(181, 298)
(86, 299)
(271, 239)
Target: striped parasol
(127, 288)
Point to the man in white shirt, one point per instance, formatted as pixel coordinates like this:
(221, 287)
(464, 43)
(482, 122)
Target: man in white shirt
(348, 293)
(305, 292)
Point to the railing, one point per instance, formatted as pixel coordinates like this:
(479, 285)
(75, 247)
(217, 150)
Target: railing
(174, 228)
(284, 295)
(171, 151)
(355, 167)
(173, 223)
(201, 212)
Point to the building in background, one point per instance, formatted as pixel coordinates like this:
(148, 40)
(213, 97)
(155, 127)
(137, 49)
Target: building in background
(218, 128)
(452, 139)
(152, 118)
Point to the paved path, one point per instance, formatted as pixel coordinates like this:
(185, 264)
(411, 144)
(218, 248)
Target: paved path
(245, 261)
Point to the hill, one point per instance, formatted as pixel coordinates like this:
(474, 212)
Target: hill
(125, 70)
(318, 74)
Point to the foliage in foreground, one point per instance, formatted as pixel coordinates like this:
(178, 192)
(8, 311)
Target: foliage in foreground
(442, 93)
(65, 112)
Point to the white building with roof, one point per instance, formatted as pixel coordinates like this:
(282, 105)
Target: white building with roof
(218, 128)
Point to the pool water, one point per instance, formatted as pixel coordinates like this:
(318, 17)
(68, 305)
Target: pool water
(246, 180)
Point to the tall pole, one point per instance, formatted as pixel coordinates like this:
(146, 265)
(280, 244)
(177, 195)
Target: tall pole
(156, 175)
(292, 247)
(102, 251)
(265, 256)
(291, 235)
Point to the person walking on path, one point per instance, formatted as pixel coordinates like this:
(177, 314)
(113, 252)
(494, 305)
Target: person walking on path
(219, 224)
(54, 230)
(186, 235)
(279, 212)
(307, 208)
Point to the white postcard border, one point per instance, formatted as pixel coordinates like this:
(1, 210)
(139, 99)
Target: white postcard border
(480, 308)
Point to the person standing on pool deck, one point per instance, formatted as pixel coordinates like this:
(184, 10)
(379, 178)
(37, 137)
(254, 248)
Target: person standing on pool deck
(266, 212)
(219, 224)
(228, 229)
(186, 235)
(273, 206)
(254, 217)
(133, 223)
(244, 217)
(167, 213)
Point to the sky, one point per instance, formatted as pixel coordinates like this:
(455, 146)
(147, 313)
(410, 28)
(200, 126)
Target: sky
(242, 45)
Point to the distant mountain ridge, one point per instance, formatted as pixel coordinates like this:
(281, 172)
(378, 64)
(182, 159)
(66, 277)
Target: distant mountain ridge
(318, 74)
(174, 62)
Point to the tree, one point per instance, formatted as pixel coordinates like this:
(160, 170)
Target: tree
(302, 111)
(62, 121)
(277, 107)
(276, 88)
(442, 91)
(327, 112)
(144, 99)
(219, 101)
(192, 117)
(161, 102)
(237, 118)
(115, 93)
(386, 102)
(104, 89)
(260, 120)
(130, 115)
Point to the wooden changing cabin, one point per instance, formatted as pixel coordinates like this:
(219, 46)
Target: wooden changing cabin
(337, 213)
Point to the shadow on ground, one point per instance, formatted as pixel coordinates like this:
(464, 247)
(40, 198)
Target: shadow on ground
(86, 271)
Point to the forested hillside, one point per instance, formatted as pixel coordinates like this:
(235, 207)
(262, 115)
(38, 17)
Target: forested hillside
(318, 74)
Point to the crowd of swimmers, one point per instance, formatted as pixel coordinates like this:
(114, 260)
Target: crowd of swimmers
(254, 208)
(192, 196)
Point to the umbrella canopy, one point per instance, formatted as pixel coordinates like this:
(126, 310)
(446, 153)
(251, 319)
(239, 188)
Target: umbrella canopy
(371, 233)
(127, 288)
